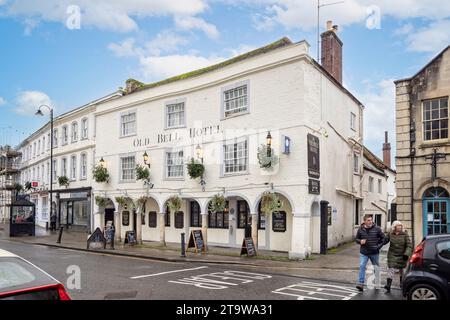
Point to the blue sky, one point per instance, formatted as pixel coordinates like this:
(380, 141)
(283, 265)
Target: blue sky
(44, 59)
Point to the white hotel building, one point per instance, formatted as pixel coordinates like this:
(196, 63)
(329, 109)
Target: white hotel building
(226, 110)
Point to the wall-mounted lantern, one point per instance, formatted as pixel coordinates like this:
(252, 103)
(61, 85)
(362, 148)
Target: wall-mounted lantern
(102, 162)
(269, 144)
(146, 159)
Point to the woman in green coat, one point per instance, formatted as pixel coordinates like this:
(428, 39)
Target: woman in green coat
(399, 251)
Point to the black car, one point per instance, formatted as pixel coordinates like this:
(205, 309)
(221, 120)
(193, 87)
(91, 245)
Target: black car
(427, 276)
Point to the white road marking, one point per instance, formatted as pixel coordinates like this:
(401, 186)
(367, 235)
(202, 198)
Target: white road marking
(306, 290)
(167, 272)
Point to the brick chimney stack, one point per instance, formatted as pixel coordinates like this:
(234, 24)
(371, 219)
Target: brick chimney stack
(386, 150)
(332, 51)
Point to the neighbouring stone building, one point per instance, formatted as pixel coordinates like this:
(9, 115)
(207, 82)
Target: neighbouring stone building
(423, 149)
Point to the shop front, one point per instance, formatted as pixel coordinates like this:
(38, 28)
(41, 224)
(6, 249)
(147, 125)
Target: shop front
(74, 208)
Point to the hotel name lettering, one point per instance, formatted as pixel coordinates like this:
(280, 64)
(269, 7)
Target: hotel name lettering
(178, 135)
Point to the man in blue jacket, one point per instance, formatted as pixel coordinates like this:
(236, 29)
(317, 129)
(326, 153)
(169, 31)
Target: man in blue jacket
(371, 238)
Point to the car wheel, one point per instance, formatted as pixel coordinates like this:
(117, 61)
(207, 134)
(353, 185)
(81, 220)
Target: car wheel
(424, 292)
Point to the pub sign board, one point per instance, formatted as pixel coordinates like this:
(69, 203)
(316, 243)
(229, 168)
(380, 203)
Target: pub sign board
(279, 221)
(196, 241)
(125, 218)
(314, 186)
(248, 247)
(313, 157)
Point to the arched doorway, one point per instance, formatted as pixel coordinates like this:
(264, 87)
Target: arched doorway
(436, 211)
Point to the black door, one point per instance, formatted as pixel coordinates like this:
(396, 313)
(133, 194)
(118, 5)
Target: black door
(323, 227)
(244, 218)
(134, 220)
(109, 215)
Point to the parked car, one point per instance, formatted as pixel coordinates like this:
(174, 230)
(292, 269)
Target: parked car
(21, 280)
(427, 275)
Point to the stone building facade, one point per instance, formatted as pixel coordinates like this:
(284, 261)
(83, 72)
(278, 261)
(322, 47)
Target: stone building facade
(423, 149)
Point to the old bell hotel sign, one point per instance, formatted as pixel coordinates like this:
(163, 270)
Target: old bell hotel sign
(313, 164)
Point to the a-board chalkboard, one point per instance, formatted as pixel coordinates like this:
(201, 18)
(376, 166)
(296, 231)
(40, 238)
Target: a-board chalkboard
(279, 221)
(97, 240)
(248, 247)
(196, 241)
(130, 238)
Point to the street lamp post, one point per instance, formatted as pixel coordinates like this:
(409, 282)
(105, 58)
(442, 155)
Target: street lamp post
(40, 113)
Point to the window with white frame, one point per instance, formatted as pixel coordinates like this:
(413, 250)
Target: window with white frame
(42, 173)
(55, 138)
(175, 115)
(47, 180)
(235, 157)
(48, 141)
(65, 135)
(84, 128)
(356, 163)
(73, 167)
(38, 176)
(44, 207)
(128, 124)
(174, 164)
(371, 184)
(435, 119)
(127, 168)
(235, 100)
(353, 121)
(55, 170)
(380, 187)
(64, 167)
(34, 149)
(38, 152)
(75, 132)
(43, 144)
(83, 166)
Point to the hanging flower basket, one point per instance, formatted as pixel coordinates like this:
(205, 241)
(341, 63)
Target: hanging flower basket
(63, 181)
(142, 172)
(100, 174)
(195, 169)
(101, 201)
(217, 203)
(265, 161)
(174, 203)
(121, 201)
(270, 203)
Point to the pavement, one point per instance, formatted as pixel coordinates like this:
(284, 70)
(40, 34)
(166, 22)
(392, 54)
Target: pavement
(339, 265)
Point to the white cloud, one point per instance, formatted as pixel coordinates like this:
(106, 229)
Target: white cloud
(166, 66)
(194, 23)
(433, 38)
(30, 25)
(379, 115)
(127, 48)
(2, 101)
(165, 41)
(404, 30)
(27, 102)
(115, 15)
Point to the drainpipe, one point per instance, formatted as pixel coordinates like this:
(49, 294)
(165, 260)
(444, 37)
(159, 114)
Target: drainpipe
(412, 153)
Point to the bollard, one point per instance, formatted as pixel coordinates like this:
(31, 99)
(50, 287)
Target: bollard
(183, 246)
(112, 238)
(60, 234)
(46, 226)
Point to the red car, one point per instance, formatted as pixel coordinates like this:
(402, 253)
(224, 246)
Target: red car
(21, 280)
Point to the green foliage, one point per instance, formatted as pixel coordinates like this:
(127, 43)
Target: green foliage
(217, 203)
(142, 172)
(63, 181)
(174, 203)
(195, 169)
(101, 201)
(270, 203)
(121, 201)
(100, 174)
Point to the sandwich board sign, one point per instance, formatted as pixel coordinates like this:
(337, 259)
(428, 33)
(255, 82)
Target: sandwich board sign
(97, 240)
(248, 247)
(196, 241)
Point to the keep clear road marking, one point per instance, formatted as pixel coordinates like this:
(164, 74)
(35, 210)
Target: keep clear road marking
(317, 291)
(167, 272)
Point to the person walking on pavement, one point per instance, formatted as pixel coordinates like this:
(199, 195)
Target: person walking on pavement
(53, 222)
(399, 251)
(371, 239)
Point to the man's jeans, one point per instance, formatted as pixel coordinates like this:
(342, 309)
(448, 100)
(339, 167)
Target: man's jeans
(363, 259)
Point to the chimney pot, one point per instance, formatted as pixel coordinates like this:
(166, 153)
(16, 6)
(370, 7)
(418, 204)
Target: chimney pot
(332, 51)
(386, 150)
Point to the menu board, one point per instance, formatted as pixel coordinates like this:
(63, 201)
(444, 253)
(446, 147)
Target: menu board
(196, 241)
(279, 221)
(248, 247)
(125, 218)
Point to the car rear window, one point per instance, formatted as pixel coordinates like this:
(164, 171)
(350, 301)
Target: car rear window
(16, 274)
